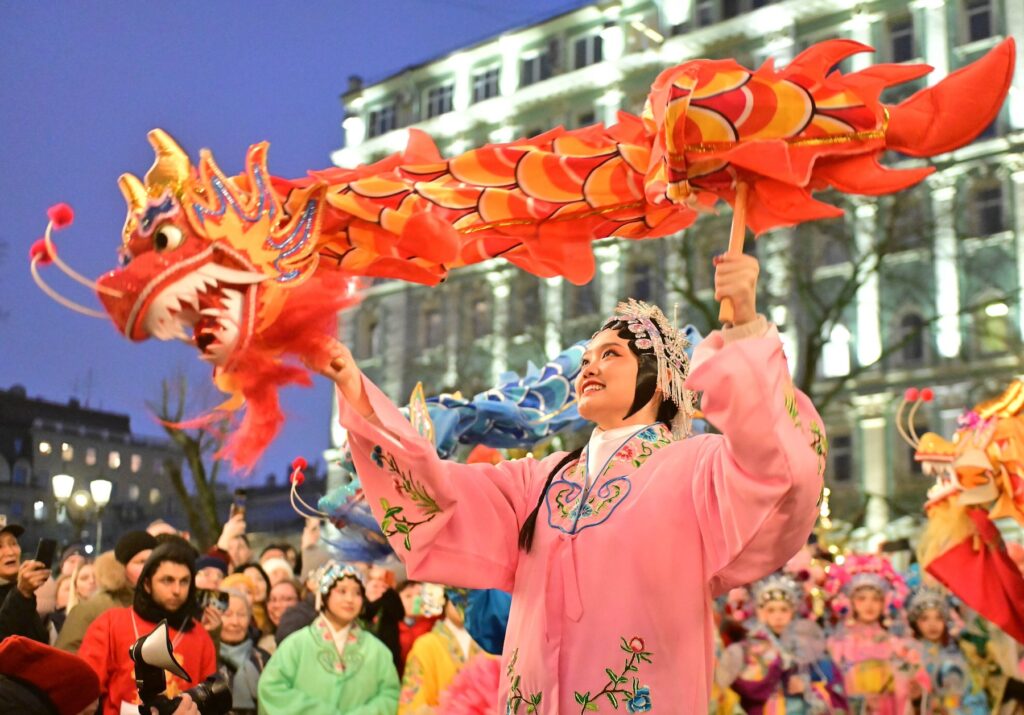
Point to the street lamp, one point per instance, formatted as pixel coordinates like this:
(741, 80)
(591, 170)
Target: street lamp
(63, 485)
(100, 490)
(78, 511)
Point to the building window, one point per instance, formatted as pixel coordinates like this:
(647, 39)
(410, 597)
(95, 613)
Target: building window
(45, 448)
(382, 120)
(705, 12)
(840, 456)
(641, 281)
(835, 356)
(431, 328)
(730, 8)
(154, 496)
(992, 331)
(988, 210)
(136, 463)
(133, 492)
(486, 84)
(369, 341)
(586, 119)
(67, 451)
(5, 471)
(439, 100)
(525, 311)
(978, 20)
(114, 460)
(901, 39)
(535, 69)
(909, 334)
(482, 321)
(580, 300)
(587, 51)
(90, 456)
(22, 473)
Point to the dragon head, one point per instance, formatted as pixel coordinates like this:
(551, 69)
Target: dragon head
(205, 257)
(984, 464)
(233, 261)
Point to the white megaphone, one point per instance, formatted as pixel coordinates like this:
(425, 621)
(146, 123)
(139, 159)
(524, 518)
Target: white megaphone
(156, 651)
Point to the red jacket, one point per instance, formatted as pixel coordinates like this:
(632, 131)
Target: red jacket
(407, 634)
(105, 648)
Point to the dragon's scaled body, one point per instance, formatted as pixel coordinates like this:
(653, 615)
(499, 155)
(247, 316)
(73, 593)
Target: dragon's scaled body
(256, 266)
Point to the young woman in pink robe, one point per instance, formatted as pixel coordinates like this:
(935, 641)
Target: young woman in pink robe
(625, 544)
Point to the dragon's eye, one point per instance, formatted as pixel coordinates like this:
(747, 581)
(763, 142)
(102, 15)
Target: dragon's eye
(167, 238)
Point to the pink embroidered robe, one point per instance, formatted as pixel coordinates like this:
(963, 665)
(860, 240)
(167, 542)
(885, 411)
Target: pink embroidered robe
(611, 609)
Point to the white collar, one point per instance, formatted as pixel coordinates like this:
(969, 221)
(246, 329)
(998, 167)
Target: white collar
(604, 443)
(340, 636)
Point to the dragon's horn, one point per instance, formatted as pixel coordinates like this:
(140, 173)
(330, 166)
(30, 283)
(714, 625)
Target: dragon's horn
(172, 166)
(133, 190)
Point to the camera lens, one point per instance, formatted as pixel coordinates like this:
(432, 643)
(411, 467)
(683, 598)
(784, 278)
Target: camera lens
(212, 696)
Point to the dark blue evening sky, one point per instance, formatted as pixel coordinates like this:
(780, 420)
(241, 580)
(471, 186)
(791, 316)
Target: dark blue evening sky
(82, 84)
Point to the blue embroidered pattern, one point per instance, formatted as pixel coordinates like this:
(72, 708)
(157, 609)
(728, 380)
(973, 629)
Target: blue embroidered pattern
(574, 505)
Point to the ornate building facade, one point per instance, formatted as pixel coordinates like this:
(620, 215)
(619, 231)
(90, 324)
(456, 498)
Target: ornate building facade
(923, 289)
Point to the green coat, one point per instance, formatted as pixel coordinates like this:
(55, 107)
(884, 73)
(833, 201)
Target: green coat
(307, 677)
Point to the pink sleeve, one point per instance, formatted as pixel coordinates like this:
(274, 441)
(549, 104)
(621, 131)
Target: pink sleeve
(450, 523)
(756, 487)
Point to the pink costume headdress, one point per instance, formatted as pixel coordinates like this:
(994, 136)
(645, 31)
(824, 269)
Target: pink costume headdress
(653, 331)
(865, 571)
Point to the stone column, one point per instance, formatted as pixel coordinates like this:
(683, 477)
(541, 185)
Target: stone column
(609, 266)
(869, 339)
(773, 250)
(947, 277)
(1016, 168)
(500, 290)
(1013, 14)
(554, 314)
(932, 32)
(873, 433)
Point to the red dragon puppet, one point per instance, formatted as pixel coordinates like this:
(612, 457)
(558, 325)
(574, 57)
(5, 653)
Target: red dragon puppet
(979, 479)
(255, 266)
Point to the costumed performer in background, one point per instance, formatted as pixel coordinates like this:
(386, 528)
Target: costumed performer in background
(612, 552)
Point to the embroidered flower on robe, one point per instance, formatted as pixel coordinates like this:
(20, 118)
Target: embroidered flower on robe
(640, 702)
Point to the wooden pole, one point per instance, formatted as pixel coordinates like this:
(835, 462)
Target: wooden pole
(737, 236)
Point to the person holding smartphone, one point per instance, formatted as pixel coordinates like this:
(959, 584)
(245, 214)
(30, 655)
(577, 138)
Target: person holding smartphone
(19, 581)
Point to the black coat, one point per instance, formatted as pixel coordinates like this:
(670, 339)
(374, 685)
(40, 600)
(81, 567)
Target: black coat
(18, 616)
(295, 619)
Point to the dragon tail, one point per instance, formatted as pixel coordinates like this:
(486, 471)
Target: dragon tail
(956, 110)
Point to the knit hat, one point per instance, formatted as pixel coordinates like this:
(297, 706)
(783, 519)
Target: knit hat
(132, 543)
(211, 562)
(27, 661)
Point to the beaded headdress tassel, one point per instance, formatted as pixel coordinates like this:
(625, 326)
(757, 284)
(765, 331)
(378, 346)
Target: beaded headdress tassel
(652, 331)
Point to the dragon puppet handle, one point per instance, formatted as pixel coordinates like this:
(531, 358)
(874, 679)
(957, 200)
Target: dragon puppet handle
(255, 266)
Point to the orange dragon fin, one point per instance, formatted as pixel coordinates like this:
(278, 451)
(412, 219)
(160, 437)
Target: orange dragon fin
(956, 110)
(820, 57)
(862, 174)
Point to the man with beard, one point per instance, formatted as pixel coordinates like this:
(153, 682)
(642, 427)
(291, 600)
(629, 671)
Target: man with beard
(117, 574)
(165, 591)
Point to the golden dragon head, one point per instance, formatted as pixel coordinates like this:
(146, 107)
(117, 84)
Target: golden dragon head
(206, 254)
(984, 463)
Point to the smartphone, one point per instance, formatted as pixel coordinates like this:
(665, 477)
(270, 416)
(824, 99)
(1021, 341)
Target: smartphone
(238, 503)
(217, 599)
(45, 552)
